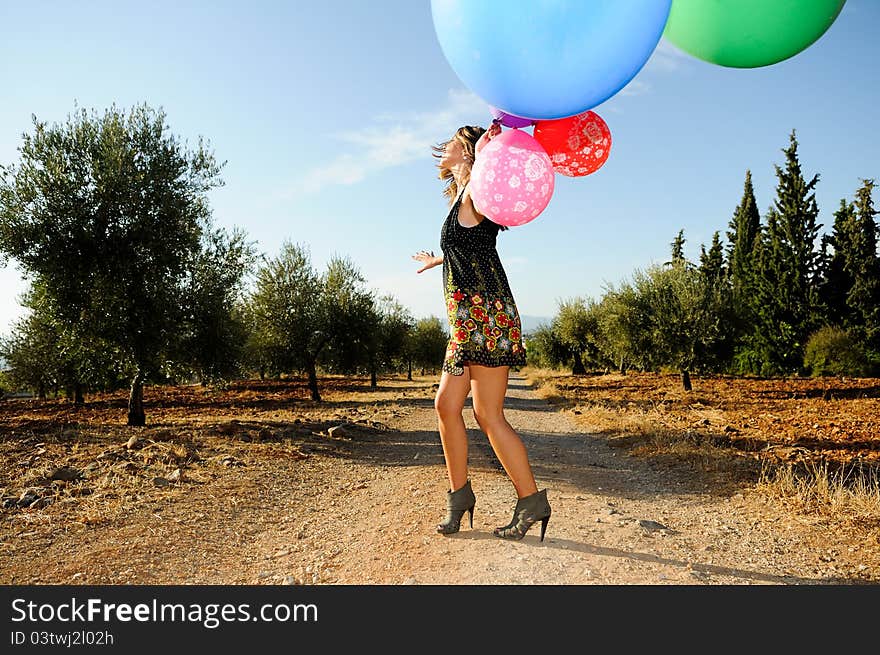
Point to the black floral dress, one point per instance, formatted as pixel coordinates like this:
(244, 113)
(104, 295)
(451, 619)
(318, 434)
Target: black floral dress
(484, 324)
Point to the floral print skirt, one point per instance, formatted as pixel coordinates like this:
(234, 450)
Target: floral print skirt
(484, 329)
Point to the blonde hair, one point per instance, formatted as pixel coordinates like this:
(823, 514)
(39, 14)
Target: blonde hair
(467, 136)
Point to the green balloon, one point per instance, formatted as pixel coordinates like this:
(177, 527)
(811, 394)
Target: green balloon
(748, 33)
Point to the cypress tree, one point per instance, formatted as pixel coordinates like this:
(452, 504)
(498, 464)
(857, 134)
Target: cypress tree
(863, 298)
(768, 342)
(744, 228)
(677, 248)
(789, 274)
(717, 307)
(836, 278)
(712, 261)
(743, 237)
(798, 213)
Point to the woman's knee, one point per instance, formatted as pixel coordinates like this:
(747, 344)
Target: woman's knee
(447, 406)
(487, 418)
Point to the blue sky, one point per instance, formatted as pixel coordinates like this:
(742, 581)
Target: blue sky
(325, 113)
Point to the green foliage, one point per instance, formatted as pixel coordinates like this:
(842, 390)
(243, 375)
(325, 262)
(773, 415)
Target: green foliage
(576, 327)
(670, 316)
(744, 229)
(32, 353)
(831, 350)
(288, 318)
(712, 261)
(679, 321)
(107, 212)
(624, 323)
(43, 355)
(782, 291)
(428, 342)
(213, 333)
(545, 349)
(396, 323)
(762, 300)
(677, 248)
(257, 354)
(863, 265)
(351, 319)
(299, 318)
(836, 256)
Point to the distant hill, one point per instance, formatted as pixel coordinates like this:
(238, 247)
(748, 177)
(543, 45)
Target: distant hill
(530, 323)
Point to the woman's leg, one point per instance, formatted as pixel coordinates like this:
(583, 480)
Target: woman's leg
(489, 385)
(449, 403)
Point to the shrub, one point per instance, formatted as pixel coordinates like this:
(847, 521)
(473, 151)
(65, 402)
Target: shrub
(831, 350)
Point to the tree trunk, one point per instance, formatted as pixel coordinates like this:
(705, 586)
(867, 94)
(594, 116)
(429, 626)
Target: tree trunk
(409, 369)
(136, 414)
(578, 368)
(373, 381)
(41, 391)
(686, 380)
(622, 368)
(313, 381)
(78, 399)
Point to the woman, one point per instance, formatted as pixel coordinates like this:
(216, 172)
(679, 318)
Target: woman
(486, 340)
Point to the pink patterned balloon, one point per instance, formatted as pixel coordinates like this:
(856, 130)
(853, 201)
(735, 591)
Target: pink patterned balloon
(512, 179)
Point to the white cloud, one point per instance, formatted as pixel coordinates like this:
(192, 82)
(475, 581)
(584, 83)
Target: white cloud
(667, 58)
(392, 140)
(635, 88)
(396, 139)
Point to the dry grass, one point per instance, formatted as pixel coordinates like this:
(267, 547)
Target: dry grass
(203, 465)
(651, 417)
(849, 492)
(195, 436)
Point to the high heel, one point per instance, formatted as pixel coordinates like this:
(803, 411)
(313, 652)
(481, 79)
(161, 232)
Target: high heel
(457, 503)
(528, 511)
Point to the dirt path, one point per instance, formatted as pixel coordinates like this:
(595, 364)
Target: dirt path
(599, 497)
(361, 509)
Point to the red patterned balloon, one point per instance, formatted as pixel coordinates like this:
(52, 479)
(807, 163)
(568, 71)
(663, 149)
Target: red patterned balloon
(577, 145)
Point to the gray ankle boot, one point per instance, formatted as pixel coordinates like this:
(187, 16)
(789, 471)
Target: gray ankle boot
(457, 503)
(528, 511)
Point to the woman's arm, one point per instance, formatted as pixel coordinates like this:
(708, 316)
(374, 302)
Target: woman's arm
(428, 259)
(493, 131)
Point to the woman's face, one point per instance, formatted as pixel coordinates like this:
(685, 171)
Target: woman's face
(453, 155)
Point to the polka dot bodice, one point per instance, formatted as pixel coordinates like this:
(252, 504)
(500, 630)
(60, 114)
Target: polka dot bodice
(484, 323)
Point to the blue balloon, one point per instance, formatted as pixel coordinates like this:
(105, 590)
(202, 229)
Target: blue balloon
(548, 59)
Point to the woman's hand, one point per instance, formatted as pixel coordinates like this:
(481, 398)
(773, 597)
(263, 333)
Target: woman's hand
(428, 259)
(493, 131)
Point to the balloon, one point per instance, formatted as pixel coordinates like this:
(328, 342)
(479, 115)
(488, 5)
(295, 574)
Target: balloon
(512, 179)
(748, 33)
(548, 59)
(511, 121)
(577, 145)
